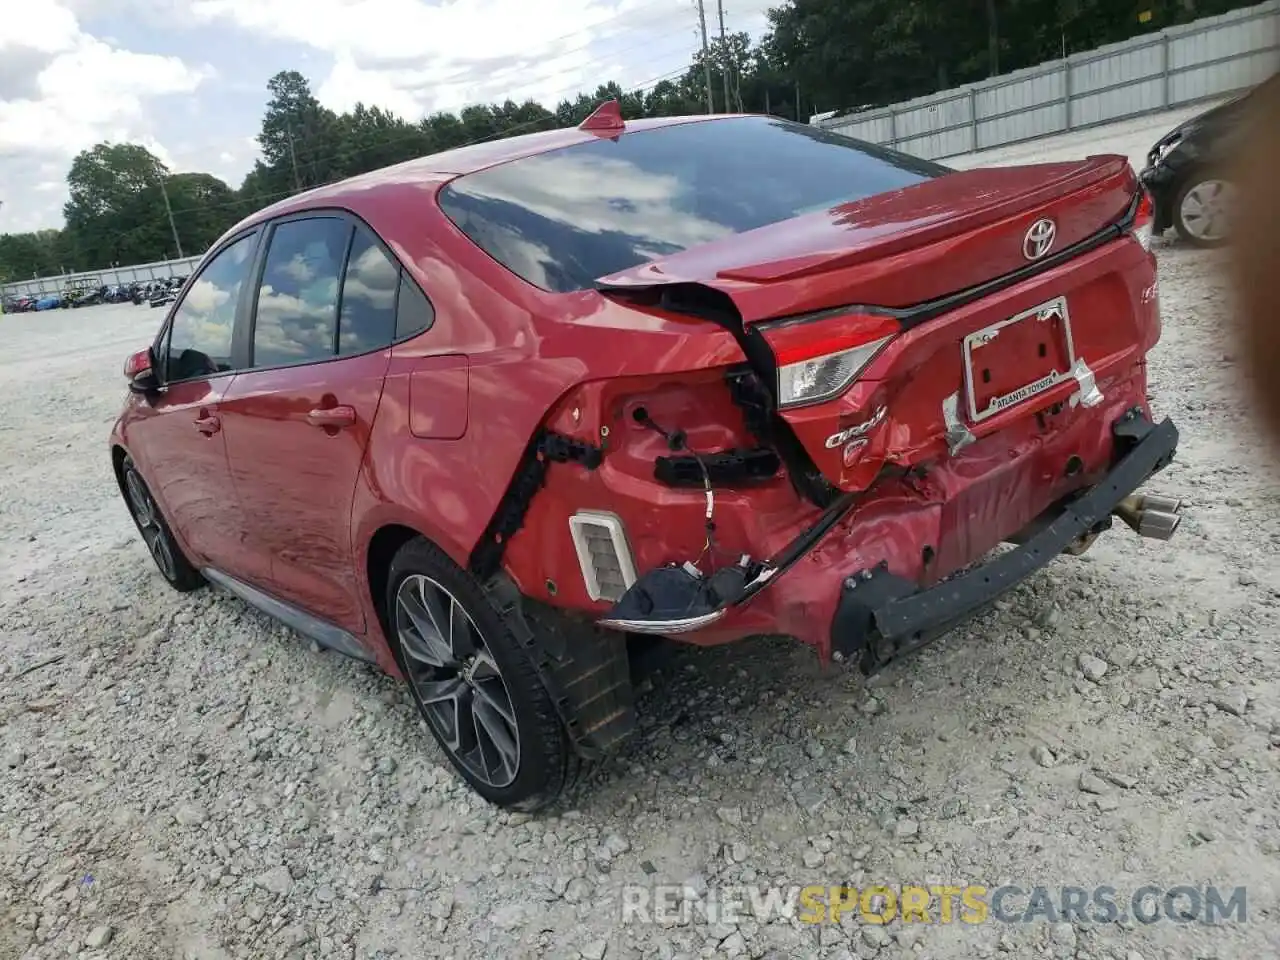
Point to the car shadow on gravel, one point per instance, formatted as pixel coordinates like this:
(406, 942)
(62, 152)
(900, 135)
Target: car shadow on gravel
(768, 704)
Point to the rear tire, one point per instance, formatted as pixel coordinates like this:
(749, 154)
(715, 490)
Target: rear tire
(474, 685)
(154, 529)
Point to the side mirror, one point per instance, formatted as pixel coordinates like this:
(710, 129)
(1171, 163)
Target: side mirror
(139, 370)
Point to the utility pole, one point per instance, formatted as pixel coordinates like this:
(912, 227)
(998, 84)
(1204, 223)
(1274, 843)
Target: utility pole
(169, 210)
(297, 181)
(993, 38)
(724, 56)
(706, 55)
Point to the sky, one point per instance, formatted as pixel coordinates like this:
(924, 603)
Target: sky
(187, 78)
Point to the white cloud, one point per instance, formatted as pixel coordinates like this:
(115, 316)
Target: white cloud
(48, 27)
(87, 92)
(415, 56)
(406, 30)
(63, 86)
(73, 90)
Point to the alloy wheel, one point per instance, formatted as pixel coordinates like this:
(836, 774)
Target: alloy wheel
(1206, 210)
(457, 681)
(147, 517)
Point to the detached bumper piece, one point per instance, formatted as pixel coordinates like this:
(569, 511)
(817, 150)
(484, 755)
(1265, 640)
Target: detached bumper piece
(881, 616)
(674, 600)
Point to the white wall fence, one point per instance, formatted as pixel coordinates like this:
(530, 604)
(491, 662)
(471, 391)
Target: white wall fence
(43, 286)
(1198, 61)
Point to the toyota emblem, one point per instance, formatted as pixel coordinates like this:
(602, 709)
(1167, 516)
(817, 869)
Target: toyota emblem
(1039, 239)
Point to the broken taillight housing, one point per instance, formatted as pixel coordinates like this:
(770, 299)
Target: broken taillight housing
(1144, 221)
(821, 355)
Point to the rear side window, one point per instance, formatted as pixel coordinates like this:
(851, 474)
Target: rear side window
(565, 218)
(297, 315)
(415, 313)
(368, 319)
(198, 343)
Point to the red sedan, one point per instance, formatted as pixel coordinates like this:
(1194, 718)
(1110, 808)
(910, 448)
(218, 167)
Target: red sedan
(487, 417)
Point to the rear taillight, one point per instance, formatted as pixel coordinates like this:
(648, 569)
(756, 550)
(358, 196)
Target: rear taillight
(819, 356)
(137, 363)
(1144, 221)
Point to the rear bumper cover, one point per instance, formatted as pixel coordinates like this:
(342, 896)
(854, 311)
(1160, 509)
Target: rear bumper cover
(881, 616)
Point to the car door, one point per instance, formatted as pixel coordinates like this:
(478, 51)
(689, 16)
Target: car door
(298, 419)
(177, 435)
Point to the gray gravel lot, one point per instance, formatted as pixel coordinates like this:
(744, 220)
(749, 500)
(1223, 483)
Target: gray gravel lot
(190, 780)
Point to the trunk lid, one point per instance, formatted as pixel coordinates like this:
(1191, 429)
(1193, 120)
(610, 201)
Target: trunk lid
(940, 378)
(903, 247)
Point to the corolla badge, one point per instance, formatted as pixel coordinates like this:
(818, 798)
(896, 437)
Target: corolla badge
(1039, 239)
(857, 430)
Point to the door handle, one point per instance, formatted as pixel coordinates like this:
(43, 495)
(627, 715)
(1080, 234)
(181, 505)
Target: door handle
(208, 425)
(339, 416)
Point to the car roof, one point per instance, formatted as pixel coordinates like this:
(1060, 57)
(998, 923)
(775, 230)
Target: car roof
(439, 168)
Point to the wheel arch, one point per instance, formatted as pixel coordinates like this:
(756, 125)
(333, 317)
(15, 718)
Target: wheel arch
(383, 545)
(118, 454)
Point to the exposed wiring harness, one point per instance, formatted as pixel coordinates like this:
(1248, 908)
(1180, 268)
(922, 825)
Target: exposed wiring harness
(678, 440)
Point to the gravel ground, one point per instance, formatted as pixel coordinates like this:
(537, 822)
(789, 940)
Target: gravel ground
(189, 780)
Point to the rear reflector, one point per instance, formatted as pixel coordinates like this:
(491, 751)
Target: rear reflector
(818, 357)
(608, 569)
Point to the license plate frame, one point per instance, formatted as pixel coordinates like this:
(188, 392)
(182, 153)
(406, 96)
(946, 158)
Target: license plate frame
(980, 338)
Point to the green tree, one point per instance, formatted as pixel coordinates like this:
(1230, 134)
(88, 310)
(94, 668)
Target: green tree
(109, 210)
(204, 208)
(371, 137)
(24, 256)
(299, 137)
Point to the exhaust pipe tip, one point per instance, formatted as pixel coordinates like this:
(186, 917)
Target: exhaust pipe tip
(1156, 501)
(1158, 524)
(1150, 515)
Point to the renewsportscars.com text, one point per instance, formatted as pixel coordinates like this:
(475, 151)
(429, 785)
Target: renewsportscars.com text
(936, 904)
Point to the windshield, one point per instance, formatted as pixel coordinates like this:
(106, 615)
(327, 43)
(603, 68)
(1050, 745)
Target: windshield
(563, 219)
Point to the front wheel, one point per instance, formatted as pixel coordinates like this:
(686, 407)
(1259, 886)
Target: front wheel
(474, 685)
(170, 560)
(1202, 211)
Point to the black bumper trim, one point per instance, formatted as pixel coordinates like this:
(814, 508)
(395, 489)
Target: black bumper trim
(881, 616)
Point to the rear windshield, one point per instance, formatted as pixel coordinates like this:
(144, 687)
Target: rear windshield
(563, 219)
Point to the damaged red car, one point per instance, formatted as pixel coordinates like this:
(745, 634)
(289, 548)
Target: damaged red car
(491, 417)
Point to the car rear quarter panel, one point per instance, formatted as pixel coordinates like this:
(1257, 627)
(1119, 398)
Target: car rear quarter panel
(524, 350)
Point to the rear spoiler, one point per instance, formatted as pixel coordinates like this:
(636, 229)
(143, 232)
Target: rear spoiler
(691, 298)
